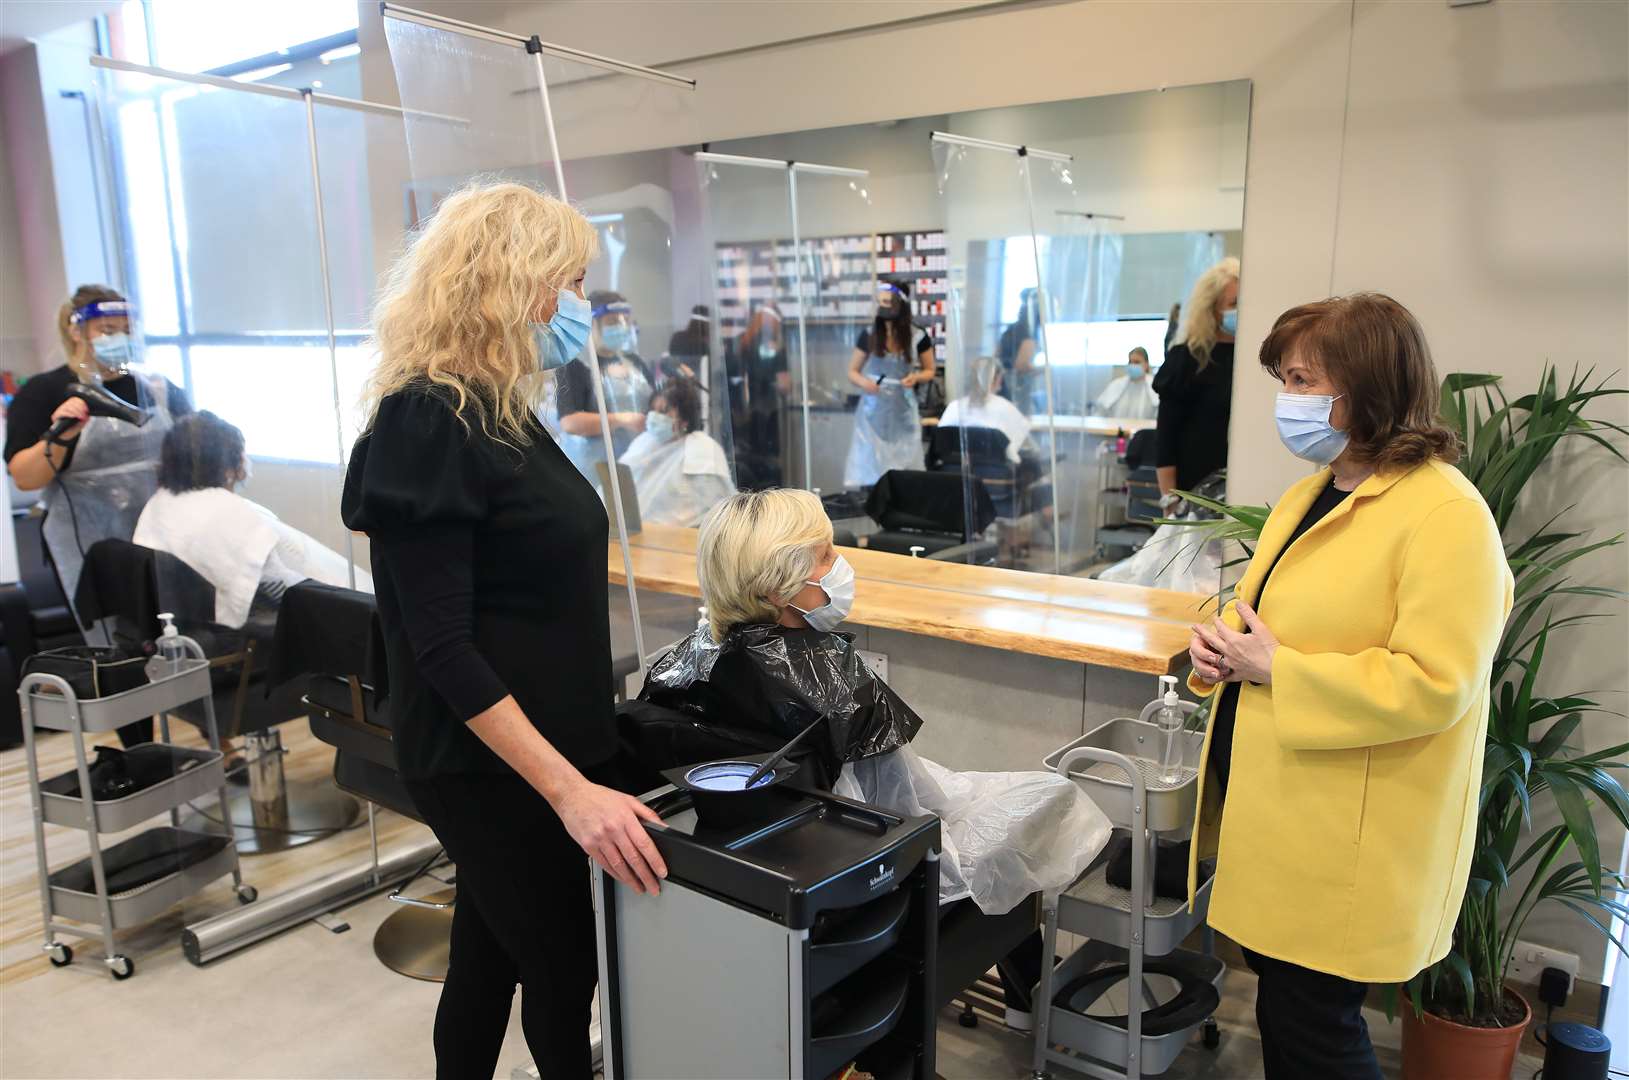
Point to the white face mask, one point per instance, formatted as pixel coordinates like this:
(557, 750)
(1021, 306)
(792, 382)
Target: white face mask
(838, 585)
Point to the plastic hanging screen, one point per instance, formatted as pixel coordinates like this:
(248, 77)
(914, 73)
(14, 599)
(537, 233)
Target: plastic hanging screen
(995, 432)
(747, 210)
(241, 500)
(1101, 397)
(660, 382)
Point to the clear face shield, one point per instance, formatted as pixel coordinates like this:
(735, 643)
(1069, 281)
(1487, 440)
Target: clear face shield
(110, 340)
(614, 328)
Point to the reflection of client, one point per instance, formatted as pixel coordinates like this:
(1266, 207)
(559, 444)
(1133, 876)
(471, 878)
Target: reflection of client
(1128, 395)
(984, 407)
(679, 471)
(238, 546)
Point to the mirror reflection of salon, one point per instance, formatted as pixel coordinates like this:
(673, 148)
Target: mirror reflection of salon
(1130, 394)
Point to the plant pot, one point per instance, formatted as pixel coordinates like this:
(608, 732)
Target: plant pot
(1438, 1049)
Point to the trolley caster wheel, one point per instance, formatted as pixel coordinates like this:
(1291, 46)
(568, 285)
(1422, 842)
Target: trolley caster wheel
(59, 955)
(1212, 1035)
(121, 966)
(968, 1019)
(248, 894)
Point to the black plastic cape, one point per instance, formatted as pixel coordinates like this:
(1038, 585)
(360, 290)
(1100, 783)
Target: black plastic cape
(776, 680)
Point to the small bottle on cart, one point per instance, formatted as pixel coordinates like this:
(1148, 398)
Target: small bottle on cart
(168, 652)
(1170, 720)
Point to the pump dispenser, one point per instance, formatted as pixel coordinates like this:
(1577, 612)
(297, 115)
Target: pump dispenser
(168, 651)
(1170, 719)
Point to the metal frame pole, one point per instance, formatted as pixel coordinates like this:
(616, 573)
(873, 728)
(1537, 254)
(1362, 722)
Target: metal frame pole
(803, 326)
(591, 359)
(328, 313)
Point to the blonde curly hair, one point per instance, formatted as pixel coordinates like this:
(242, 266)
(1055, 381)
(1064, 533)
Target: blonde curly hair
(1200, 331)
(456, 308)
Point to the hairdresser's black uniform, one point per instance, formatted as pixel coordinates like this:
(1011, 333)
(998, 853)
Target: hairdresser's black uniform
(489, 566)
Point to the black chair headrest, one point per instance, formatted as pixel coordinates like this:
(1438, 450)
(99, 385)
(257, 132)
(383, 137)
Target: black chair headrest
(939, 502)
(132, 584)
(985, 446)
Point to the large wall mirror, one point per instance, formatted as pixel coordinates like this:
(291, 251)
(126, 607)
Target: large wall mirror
(1034, 259)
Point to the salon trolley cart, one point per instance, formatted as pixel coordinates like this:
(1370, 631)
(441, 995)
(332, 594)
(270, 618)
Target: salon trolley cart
(785, 948)
(1128, 932)
(90, 891)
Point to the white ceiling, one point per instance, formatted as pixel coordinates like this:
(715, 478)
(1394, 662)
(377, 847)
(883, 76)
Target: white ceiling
(23, 20)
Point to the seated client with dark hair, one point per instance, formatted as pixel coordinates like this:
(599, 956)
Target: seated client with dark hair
(237, 545)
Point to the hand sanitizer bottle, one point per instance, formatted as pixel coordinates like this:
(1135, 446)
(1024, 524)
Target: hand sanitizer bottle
(168, 651)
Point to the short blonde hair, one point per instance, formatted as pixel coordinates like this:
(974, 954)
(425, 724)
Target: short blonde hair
(456, 308)
(756, 545)
(1202, 327)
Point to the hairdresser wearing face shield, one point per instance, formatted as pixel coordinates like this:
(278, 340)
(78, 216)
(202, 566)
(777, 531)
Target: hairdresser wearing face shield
(489, 565)
(100, 470)
(1344, 751)
(625, 380)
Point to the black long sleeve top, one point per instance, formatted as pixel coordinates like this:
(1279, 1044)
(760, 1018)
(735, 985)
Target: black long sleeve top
(1191, 432)
(489, 565)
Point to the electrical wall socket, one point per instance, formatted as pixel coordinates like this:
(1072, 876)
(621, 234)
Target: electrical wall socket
(1529, 961)
(877, 662)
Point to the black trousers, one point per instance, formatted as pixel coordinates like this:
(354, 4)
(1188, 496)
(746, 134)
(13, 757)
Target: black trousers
(1311, 1023)
(524, 915)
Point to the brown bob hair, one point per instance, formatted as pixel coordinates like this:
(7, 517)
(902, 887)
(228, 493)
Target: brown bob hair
(1374, 351)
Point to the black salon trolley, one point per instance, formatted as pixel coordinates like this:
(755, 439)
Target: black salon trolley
(787, 948)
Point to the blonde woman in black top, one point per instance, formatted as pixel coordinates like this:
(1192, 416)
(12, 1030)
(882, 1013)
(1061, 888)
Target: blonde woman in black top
(488, 552)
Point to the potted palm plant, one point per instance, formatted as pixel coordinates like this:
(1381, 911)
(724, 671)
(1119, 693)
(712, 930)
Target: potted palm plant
(1463, 1020)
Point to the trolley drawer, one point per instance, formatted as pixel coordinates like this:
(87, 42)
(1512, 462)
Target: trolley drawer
(73, 897)
(54, 711)
(193, 773)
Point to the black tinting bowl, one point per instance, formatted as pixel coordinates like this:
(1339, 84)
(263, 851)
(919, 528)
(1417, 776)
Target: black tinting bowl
(718, 792)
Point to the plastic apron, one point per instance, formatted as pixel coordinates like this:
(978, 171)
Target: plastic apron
(887, 426)
(626, 390)
(114, 473)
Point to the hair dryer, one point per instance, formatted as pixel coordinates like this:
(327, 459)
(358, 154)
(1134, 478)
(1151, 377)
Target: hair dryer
(102, 402)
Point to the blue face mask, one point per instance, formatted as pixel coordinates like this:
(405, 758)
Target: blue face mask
(767, 350)
(113, 351)
(619, 338)
(660, 426)
(1230, 321)
(1303, 425)
(1135, 371)
(561, 339)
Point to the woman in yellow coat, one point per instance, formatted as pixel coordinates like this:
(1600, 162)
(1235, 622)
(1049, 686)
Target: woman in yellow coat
(1345, 749)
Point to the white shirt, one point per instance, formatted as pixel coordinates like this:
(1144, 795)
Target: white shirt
(678, 481)
(994, 412)
(1131, 399)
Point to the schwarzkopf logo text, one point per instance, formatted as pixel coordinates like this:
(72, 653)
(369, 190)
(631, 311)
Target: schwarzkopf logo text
(884, 875)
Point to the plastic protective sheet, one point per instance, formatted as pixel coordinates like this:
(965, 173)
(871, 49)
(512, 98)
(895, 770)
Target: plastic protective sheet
(1178, 558)
(1004, 835)
(768, 678)
(242, 330)
(748, 217)
(1079, 254)
(996, 431)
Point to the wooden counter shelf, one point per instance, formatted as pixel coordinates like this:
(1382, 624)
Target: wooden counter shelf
(1089, 622)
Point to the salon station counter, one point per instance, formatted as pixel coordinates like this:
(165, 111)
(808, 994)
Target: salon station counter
(1004, 666)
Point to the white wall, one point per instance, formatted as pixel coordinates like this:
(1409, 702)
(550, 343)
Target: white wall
(16, 329)
(1476, 170)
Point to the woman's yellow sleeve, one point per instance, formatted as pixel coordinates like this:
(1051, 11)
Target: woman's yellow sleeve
(1452, 598)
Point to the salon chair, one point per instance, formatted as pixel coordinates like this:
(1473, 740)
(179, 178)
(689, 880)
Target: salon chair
(34, 616)
(654, 738)
(939, 515)
(129, 585)
(347, 698)
(980, 452)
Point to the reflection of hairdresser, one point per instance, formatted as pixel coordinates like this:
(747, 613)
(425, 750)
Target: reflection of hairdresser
(688, 348)
(760, 384)
(1019, 342)
(679, 471)
(888, 360)
(624, 377)
(1129, 394)
(1195, 385)
(101, 470)
(238, 546)
(984, 407)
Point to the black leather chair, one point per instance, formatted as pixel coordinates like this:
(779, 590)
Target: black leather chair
(941, 515)
(34, 616)
(980, 452)
(129, 585)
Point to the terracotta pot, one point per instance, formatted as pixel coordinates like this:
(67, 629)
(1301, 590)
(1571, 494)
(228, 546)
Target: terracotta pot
(1438, 1049)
